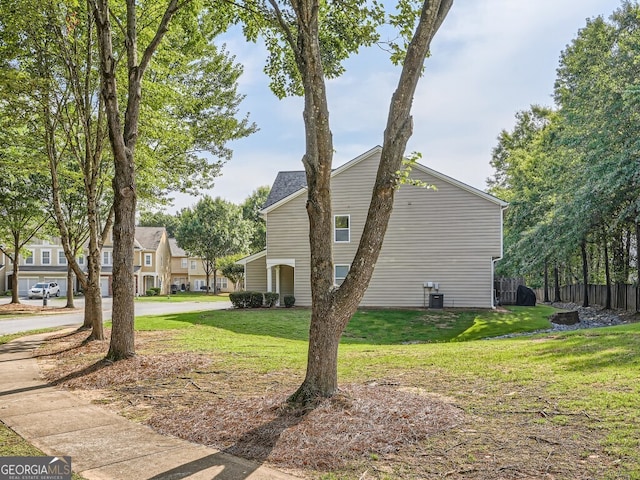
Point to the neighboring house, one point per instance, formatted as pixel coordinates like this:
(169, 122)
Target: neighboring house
(152, 254)
(187, 273)
(179, 265)
(447, 238)
(44, 262)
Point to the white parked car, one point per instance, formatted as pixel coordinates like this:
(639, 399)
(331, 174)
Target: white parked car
(39, 290)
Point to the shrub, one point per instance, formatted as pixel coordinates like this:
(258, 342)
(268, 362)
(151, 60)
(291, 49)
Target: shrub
(156, 290)
(256, 299)
(8, 293)
(240, 299)
(289, 301)
(270, 299)
(151, 292)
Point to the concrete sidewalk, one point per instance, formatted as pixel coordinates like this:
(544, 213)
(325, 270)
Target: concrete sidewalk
(102, 445)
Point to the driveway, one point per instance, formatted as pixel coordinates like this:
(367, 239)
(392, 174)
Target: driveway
(24, 323)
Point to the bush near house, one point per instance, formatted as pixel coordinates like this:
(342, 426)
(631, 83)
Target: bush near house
(270, 299)
(289, 301)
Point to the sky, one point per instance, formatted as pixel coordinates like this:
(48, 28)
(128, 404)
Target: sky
(489, 60)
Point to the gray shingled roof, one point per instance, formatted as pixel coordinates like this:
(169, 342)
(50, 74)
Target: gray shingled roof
(284, 185)
(176, 251)
(149, 237)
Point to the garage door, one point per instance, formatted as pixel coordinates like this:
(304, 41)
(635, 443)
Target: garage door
(62, 283)
(104, 286)
(24, 284)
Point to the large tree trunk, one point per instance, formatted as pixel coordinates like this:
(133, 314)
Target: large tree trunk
(123, 140)
(585, 274)
(332, 309)
(15, 298)
(70, 283)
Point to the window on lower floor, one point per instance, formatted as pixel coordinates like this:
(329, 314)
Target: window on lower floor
(339, 274)
(221, 282)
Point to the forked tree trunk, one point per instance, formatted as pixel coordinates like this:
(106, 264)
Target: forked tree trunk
(332, 309)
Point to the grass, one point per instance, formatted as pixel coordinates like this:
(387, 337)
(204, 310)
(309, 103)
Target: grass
(185, 297)
(563, 379)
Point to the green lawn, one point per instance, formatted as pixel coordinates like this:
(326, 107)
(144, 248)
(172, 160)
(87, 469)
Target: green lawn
(185, 297)
(586, 377)
(586, 372)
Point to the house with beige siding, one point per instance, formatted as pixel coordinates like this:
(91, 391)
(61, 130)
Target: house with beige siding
(442, 241)
(187, 273)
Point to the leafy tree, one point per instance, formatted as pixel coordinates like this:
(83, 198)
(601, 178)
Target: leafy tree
(200, 120)
(232, 270)
(251, 211)
(160, 219)
(308, 41)
(211, 230)
(23, 209)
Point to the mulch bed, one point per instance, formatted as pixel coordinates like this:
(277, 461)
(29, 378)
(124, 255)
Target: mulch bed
(385, 429)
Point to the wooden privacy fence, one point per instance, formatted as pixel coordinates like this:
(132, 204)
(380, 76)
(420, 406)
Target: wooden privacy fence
(505, 289)
(623, 297)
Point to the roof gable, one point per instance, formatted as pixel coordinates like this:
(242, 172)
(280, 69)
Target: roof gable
(287, 191)
(149, 237)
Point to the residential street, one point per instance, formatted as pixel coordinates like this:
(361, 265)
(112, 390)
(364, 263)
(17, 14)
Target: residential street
(24, 323)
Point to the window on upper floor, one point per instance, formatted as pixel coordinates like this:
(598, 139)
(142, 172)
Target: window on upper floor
(148, 261)
(193, 264)
(46, 257)
(62, 259)
(107, 257)
(341, 227)
(28, 260)
(339, 274)
(183, 263)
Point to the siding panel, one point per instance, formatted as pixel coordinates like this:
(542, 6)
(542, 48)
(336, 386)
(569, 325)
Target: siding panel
(447, 235)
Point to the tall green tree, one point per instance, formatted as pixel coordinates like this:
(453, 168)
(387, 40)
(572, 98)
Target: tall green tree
(202, 122)
(251, 211)
(211, 230)
(308, 41)
(23, 210)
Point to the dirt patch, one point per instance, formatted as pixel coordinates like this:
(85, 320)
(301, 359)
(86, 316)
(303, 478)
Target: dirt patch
(406, 425)
(22, 309)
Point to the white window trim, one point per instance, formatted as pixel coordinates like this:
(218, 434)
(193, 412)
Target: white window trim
(32, 257)
(193, 265)
(335, 283)
(109, 254)
(81, 259)
(184, 263)
(62, 259)
(42, 252)
(149, 257)
(335, 230)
